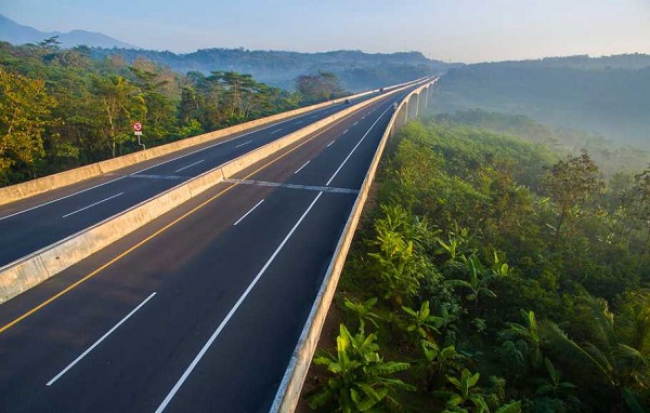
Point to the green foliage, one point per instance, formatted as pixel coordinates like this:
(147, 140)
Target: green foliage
(467, 396)
(320, 87)
(359, 379)
(363, 311)
(397, 262)
(571, 183)
(60, 109)
(604, 361)
(25, 108)
(422, 322)
(454, 203)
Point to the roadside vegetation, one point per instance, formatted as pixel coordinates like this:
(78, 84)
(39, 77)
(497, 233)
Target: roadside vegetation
(60, 109)
(491, 275)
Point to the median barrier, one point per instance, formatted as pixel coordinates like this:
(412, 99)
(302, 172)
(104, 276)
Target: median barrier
(290, 388)
(34, 268)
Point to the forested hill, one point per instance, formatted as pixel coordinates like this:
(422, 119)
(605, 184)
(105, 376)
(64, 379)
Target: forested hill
(609, 95)
(356, 69)
(585, 62)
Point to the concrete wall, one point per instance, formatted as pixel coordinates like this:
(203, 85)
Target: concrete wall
(29, 271)
(288, 393)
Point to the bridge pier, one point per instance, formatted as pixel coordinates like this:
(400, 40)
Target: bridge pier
(413, 104)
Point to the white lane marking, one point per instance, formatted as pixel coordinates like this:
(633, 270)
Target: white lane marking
(299, 122)
(356, 146)
(300, 169)
(330, 144)
(242, 144)
(276, 131)
(92, 205)
(355, 123)
(98, 342)
(363, 117)
(232, 311)
(60, 199)
(294, 186)
(346, 131)
(189, 166)
(246, 214)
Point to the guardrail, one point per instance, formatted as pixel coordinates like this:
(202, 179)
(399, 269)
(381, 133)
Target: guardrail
(34, 268)
(288, 393)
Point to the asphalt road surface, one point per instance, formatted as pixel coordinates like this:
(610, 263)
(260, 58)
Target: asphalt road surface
(201, 309)
(29, 225)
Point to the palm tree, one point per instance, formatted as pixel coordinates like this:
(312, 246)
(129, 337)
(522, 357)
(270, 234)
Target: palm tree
(524, 337)
(614, 362)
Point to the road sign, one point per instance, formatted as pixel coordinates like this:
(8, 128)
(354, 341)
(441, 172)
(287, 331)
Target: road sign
(137, 126)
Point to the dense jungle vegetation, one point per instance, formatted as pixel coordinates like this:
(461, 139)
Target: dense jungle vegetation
(491, 275)
(60, 109)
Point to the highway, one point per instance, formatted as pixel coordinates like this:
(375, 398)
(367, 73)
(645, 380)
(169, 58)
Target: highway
(201, 309)
(29, 225)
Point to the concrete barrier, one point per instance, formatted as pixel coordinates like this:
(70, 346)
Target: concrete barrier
(290, 388)
(37, 186)
(29, 271)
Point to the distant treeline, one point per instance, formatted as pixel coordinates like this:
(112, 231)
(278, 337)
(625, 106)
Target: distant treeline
(358, 70)
(60, 109)
(610, 96)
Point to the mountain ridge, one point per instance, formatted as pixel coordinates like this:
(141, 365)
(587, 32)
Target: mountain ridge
(17, 34)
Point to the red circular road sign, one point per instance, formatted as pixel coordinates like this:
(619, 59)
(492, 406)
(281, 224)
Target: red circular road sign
(137, 126)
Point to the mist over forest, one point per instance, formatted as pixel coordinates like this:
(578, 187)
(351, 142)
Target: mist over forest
(609, 96)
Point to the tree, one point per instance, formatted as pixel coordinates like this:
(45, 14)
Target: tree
(120, 103)
(319, 87)
(521, 344)
(25, 109)
(641, 201)
(571, 183)
(612, 363)
(159, 111)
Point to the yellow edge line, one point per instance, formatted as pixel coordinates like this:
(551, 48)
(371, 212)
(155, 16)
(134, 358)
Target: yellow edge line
(155, 234)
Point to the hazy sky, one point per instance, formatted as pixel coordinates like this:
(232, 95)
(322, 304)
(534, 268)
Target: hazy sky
(450, 30)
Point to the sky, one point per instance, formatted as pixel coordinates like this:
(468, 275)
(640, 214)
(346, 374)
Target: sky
(466, 31)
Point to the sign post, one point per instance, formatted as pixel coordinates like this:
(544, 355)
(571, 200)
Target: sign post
(137, 131)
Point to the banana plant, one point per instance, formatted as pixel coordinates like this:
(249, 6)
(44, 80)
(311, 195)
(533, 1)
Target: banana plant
(422, 321)
(466, 396)
(555, 387)
(364, 312)
(359, 379)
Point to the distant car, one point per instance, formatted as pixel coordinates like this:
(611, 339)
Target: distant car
(395, 106)
(347, 101)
